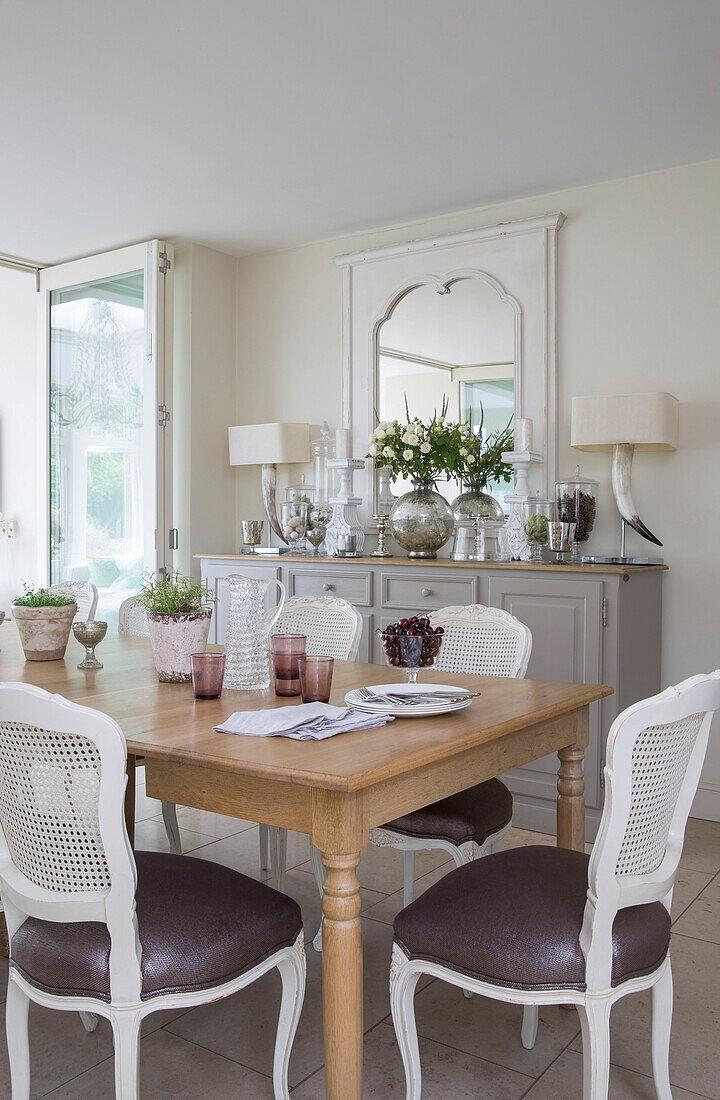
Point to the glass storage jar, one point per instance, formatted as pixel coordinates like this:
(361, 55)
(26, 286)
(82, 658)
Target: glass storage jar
(576, 502)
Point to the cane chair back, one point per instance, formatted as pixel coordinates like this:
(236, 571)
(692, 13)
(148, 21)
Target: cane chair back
(85, 596)
(482, 641)
(64, 849)
(655, 754)
(132, 618)
(331, 625)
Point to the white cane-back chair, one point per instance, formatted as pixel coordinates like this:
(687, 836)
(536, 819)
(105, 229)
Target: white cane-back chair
(479, 641)
(132, 618)
(133, 621)
(332, 628)
(94, 929)
(85, 595)
(542, 925)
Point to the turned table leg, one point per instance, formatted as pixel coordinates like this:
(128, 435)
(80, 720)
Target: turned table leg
(571, 789)
(336, 825)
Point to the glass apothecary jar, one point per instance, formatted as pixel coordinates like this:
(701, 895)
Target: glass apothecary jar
(576, 502)
(537, 513)
(323, 448)
(294, 523)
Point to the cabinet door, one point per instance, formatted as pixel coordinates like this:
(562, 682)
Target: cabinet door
(565, 617)
(215, 574)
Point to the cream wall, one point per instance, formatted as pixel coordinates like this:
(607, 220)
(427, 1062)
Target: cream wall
(639, 287)
(19, 430)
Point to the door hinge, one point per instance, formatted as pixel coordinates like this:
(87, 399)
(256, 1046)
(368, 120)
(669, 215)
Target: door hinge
(164, 263)
(173, 538)
(163, 416)
(604, 611)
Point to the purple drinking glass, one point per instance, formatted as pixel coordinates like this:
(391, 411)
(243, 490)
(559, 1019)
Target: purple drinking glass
(284, 651)
(316, 675)
(208, 670)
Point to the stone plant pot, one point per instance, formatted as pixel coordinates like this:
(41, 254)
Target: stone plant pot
(174, 638)
(44, 631)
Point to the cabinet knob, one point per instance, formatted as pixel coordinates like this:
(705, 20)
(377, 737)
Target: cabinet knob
(328, 587)
(426, 592)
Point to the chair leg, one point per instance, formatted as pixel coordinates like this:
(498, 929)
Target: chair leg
(402, 1002)
(531, 1015)
(292, 974)
(408, 877)
(89, 1021)
(595, 1024)
(662, 1009)
(278, 856)
(18, 1040)
(263, 831)
(169, 812)
(126, 1036)
(319, 872)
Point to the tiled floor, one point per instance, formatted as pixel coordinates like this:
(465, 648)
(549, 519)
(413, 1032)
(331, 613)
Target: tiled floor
(469, 1048)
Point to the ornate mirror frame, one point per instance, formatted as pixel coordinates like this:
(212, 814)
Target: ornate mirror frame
(519, 260)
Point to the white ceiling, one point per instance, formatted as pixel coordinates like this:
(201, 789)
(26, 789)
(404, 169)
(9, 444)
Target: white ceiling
(255, 124)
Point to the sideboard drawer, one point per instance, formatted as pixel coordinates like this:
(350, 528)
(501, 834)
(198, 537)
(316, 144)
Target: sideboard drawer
(419, 592)
(354, 586)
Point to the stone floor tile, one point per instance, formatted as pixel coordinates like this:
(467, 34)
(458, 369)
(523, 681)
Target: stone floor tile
(688, 885)
(60, 1049)
(150, 836)
(241, 853)
(701, 851)
(564, 1079)
(388, 908)
(447, 1074)
(242, 1027)
(696, 1021)
(702, 918)
(217, 826)
(172, 1069)
(491, 1029)
(517, 838)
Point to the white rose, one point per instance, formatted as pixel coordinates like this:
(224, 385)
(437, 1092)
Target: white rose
(471, 459)
(388, 452)
(379, 432)
(373, 449)
(463, 451)
(385, 426)
(425, 448)
(407, 454)
(406, 437)
(413, 440)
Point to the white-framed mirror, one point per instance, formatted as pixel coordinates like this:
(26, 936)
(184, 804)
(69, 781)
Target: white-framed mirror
(473, 316)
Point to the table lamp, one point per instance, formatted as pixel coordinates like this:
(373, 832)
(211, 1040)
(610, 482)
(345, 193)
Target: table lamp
(268, 445)
(624, 423)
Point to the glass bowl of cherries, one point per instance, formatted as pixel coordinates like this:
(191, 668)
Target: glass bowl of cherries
(411, 644)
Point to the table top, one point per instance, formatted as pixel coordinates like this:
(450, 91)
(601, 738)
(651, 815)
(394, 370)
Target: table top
(165, 721)
(434, 563)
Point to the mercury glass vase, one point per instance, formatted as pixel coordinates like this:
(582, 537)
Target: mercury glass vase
(421, 521)
(474, 502)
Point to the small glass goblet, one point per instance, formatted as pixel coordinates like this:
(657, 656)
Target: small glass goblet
(90, 634)
(316, 536)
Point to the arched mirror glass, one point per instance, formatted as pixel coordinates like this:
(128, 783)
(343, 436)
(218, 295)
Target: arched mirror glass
(456, 346)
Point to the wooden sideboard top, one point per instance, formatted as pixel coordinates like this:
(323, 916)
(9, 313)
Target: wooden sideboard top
(437, 563)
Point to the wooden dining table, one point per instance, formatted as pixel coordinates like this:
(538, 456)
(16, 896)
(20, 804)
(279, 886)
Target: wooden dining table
(334, 790)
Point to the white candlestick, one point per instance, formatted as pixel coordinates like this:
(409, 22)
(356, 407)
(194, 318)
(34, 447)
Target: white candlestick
(523, 434)
(343, 443)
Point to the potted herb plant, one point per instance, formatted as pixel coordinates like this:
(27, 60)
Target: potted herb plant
(178, 610)
(43, 620)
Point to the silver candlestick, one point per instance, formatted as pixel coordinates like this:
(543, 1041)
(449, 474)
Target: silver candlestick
(381, 551)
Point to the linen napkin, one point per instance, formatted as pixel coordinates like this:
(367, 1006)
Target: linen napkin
(306, 722)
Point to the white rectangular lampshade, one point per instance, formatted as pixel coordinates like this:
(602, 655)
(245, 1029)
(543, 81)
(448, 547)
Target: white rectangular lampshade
(257, 444)
(648, 420)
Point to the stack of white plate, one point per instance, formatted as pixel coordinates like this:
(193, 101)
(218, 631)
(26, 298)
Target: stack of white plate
(425, 704)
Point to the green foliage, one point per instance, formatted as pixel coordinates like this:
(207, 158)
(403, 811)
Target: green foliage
(425, 452)
(175, 594)
(42, 597)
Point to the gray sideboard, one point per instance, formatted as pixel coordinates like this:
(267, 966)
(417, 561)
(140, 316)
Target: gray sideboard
(597, 624)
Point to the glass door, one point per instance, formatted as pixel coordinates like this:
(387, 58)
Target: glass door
(107, 355)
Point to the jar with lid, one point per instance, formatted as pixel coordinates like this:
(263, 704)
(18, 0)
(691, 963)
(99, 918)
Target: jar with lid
(486, 536)
(323, 448)
(576, 502)
(537, 513)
